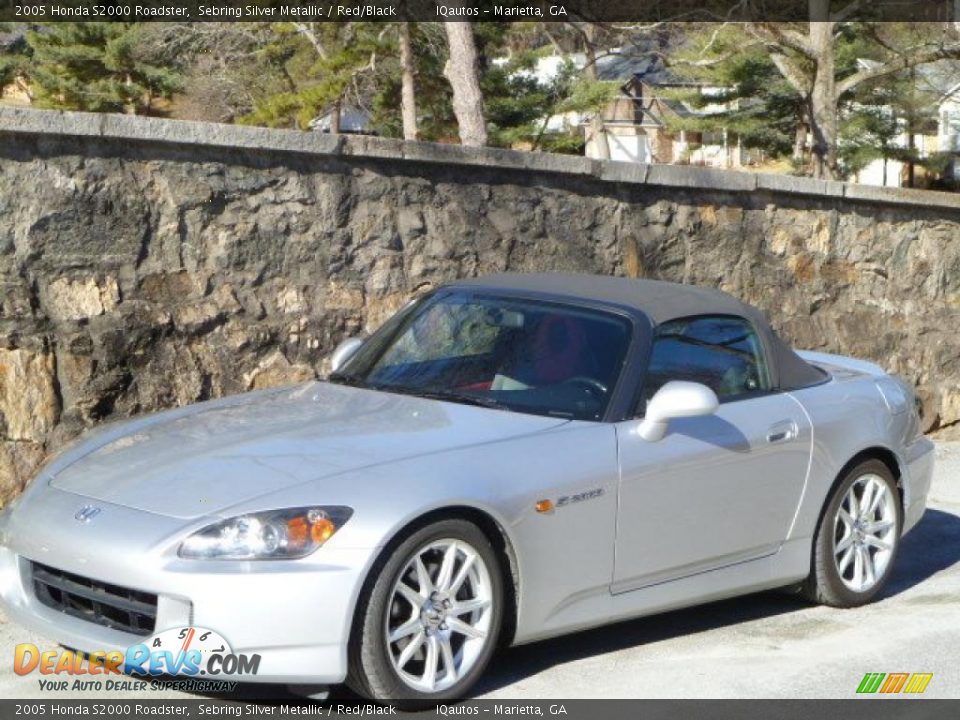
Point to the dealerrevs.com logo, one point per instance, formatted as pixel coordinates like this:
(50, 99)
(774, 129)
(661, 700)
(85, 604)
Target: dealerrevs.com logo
(186, 651)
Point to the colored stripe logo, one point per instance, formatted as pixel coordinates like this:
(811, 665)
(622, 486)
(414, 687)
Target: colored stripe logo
(918, 682)
(893, 683)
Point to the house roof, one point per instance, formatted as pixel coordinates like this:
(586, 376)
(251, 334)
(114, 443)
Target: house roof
(941, 78)
(633, 63)
(352, 120)
(12, 37)
(627, 63)
(650, 70)
(953, 94)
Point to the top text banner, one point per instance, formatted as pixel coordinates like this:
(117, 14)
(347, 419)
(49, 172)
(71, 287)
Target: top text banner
(619, 11)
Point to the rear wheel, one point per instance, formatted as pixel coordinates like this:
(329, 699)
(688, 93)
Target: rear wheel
(858, 538)
(429, 625)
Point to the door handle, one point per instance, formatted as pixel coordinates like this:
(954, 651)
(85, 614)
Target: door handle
(782, 431)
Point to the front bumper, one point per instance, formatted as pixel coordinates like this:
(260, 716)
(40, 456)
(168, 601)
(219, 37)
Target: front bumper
(295, 614)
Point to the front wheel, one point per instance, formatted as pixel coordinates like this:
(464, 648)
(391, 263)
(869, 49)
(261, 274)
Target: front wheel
(429, 625)
(858, 538)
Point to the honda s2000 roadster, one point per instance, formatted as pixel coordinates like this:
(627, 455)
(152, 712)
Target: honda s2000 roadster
(507, 459)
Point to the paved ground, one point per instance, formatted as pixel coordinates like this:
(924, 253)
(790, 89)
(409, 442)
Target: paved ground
(767, 645)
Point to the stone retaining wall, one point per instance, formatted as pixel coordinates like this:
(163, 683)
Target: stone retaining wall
(150, 263)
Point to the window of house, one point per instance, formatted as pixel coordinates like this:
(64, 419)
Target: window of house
(724, 353)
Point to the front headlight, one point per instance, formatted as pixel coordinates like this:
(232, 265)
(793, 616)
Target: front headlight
(272, 535)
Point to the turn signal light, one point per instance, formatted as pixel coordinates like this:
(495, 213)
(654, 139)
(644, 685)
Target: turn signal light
(543, 506)
(321, 528)
(316, 526)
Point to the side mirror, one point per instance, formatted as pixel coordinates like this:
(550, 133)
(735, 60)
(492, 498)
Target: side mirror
(676, 399)
(345, 350)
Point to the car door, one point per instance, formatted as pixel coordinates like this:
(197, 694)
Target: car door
(718, 489)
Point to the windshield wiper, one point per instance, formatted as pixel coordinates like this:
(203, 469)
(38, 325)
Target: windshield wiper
(466, 399)
(448, 396)
(341, 378)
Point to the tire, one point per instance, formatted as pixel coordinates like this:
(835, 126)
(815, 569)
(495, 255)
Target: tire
(852, 541)
(386, 670)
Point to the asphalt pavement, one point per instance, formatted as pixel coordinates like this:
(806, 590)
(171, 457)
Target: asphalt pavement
(767, 645)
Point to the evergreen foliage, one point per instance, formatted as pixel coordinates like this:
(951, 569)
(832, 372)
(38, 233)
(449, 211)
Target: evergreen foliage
(13, 53)
(323, 66)
(98, 66)
(755, 80)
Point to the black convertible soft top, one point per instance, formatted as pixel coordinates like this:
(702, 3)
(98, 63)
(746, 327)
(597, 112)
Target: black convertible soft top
(660, 302)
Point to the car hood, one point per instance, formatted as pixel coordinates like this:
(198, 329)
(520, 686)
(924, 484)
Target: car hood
(208, 457)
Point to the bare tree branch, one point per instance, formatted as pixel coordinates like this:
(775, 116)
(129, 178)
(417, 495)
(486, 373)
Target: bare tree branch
(846, 11)
(670, 61)
(311, 36)
(898, 64)
(794, 75)
(713, 39)
(553, 41)
(782, 35)
(638, 28)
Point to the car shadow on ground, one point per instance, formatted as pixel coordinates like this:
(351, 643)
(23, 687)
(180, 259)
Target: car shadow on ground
(933, 546)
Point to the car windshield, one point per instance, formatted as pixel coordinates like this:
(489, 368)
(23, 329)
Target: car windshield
(512, 354)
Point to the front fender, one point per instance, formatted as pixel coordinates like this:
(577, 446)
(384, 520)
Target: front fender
(559, 554)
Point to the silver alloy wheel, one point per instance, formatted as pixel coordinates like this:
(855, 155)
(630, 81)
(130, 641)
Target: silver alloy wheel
(865, 533)
(439, 614)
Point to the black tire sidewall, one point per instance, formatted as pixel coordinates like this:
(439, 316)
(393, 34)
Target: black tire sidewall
(835, 592)
(372, 673)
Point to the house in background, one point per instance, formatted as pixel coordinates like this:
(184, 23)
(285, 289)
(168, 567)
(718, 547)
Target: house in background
(948, 130)
(639, 122)
(890, 172)
(353, 121)
(920, 140)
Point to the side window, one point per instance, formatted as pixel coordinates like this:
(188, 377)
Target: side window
(723, 353)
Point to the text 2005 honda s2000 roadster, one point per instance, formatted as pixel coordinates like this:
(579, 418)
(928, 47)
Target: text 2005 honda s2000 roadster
(507, 459)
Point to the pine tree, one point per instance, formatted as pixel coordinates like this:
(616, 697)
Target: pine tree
(880, 115)
(748, 97)
(435, 118)
(519, 104)
(325, 66)
(854, 107)
(817, 60)
(99, 67)
(12, 53)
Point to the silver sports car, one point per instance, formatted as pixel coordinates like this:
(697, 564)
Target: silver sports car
(507, 459)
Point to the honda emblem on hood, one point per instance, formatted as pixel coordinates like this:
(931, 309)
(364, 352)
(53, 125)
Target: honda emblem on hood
(87, 513)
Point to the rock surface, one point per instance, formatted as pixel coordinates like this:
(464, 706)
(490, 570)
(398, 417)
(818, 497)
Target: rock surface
(138, 275)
